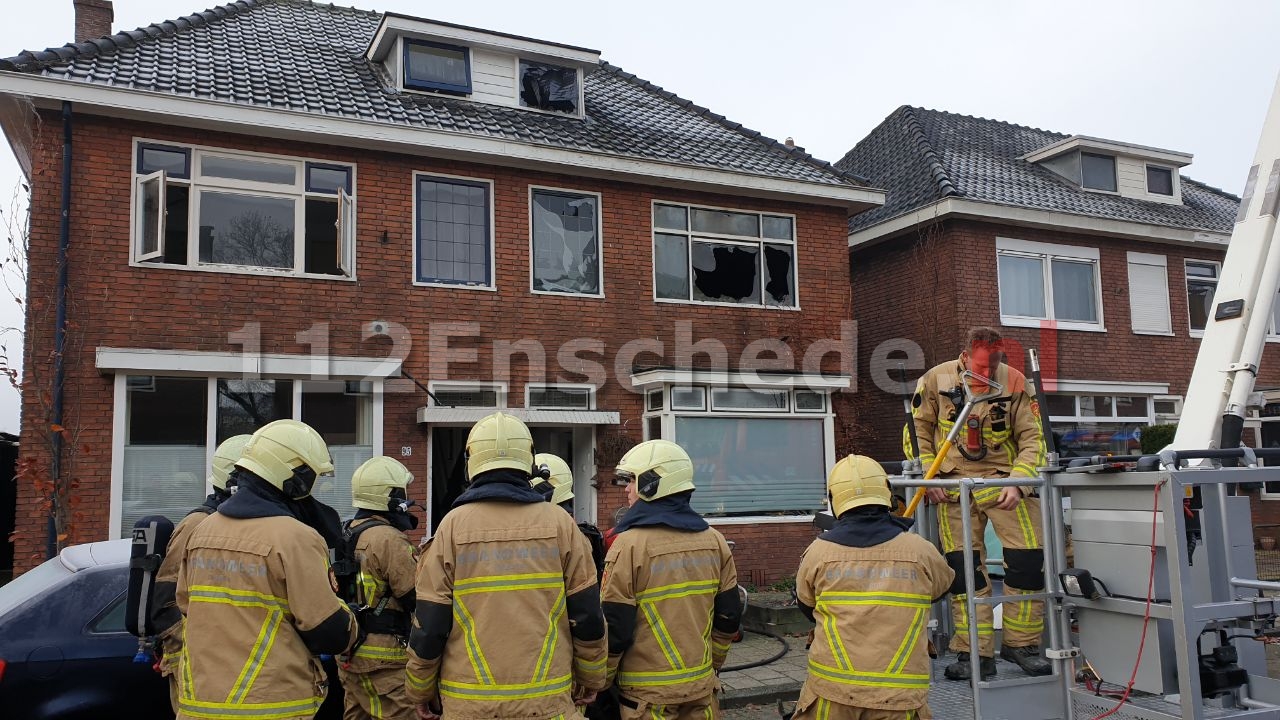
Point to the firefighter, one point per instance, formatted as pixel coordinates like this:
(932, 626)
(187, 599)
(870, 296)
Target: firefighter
(1002, 438)
(670, 592)
(373, 674)
(515, 576)
(167, 618)
(257, 591)
(871, 585)
(557, 488)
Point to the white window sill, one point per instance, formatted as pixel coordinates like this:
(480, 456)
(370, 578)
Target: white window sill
(1196, 333)
(699, 303)
(1056, 325)
(1153, 332)
(241, 270)
(552, 293)
(455, 286)
(761, 520)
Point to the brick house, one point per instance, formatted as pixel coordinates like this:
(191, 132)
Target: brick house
(388, 226)
(1099, 253)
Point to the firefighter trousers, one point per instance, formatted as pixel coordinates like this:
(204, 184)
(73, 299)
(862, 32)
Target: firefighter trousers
(1022, 536)
(375, 690)
(812, 707)
(707, 708)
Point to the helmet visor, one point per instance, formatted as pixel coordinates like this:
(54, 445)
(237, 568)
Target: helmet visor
(623, 478)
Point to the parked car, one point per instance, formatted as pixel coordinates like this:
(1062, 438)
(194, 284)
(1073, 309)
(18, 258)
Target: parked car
(65, 653)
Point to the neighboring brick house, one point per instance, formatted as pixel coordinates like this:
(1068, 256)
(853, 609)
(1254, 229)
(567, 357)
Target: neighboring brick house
(286, 209)
(1098, 253)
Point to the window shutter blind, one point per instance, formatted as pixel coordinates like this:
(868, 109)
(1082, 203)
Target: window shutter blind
(1149, 294)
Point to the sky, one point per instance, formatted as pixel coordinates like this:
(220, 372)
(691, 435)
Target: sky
(1183, 75)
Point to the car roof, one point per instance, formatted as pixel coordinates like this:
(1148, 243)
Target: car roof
(96, 554)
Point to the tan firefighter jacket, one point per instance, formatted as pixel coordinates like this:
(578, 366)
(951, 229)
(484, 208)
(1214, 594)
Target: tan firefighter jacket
(871, 609)
(260, 605)
(507, 569)
(388, 570)
(1010, 440)
(672, 578)
(167, 587)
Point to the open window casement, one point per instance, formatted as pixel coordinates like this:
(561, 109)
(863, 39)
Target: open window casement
(346, 231)
(149, 243)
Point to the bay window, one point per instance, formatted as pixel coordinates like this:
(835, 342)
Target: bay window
(172, 425)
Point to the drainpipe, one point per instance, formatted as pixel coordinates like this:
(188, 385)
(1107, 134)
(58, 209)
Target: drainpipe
(60, 329)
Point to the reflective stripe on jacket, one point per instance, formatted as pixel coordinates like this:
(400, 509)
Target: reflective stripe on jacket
(507, 569)
(244, 656)
(388, 570)
(672, 578)
(871, 607)
(166, 589)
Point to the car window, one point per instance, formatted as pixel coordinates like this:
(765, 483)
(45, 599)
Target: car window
(33, 583)
(111, 619)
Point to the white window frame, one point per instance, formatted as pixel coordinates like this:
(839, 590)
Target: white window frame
(120, 422)
(582, 91)
(1047, 253)
(691, 235)
(1150, 260)
(599, 237)
(667, 426)
(1149, 418)
(500, 396)
(493, 268)
(198, 184)
(530, 387)
(1174, 189)
(1186, 282)
(1115, 173)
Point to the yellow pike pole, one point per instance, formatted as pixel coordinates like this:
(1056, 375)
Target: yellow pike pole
(970, 401)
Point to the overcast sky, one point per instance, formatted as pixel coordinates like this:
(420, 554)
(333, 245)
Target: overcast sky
(1184, 75)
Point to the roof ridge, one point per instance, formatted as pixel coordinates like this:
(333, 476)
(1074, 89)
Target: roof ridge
(988, 120)
(31, 59)
(732, 126)
(941, 178)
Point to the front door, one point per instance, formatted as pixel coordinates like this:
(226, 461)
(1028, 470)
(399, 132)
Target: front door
(448, 469)
(574, 445)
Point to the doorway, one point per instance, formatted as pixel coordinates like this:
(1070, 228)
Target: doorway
(448, 470)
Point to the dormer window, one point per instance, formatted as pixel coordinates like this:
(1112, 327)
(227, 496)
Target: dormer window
(1098, 172)
(548, 87)
(1159, 180)
(437, 66)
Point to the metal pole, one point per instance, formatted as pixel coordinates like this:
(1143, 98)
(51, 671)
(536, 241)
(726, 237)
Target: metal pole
(1254, 584)
(975, 662)
(1050, 519)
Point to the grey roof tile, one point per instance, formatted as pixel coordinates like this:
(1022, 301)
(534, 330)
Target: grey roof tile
(303, 56)
(921, 156)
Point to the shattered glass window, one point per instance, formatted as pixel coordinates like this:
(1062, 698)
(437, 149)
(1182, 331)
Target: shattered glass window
(726, 273)
(566, 243)
(724, 256)
(548, 87)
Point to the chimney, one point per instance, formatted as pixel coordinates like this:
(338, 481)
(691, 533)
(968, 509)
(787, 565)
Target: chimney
(93, 19)
(790, 143)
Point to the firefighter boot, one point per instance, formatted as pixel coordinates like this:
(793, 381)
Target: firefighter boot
(1028, 658)
(959, 670)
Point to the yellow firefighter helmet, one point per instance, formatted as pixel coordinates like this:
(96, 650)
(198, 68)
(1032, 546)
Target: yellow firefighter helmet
(499, 441)
(561, 477)
(380, 484)
(278, 449)
(660, 468)
(224, 460)
(855, 481)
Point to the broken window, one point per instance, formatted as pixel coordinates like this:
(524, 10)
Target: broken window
(242, 211)
(566, 243)
(548, 87)
(726, 273)
(723, 256)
